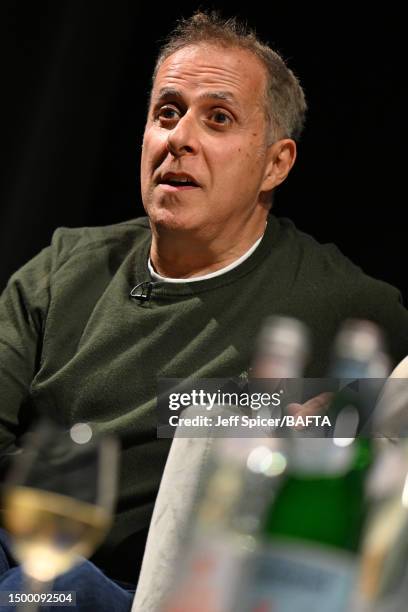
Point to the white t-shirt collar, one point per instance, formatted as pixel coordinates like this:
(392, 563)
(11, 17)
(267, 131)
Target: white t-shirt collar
(157, 277)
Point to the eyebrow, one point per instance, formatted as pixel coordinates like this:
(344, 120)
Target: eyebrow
(171, 92)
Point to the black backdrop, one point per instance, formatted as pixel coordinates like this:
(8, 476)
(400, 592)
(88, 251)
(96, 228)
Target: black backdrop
(76, 77)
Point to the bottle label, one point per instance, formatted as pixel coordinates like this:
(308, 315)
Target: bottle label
(289, 577)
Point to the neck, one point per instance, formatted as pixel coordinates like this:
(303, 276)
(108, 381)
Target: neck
(185, 254)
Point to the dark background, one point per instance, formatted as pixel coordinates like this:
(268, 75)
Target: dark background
(75, 80)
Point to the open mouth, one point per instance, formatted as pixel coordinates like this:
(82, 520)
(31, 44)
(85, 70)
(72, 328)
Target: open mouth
(172, 182)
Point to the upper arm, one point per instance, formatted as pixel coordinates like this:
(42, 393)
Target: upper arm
(23, 309)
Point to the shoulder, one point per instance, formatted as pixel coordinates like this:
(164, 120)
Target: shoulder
(70, 243)
(317, 257)
(323, 265)
(87, 251)
(319, 272)
(331, 283)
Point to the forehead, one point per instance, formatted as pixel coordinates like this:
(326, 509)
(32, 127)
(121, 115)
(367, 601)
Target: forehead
(204, 66)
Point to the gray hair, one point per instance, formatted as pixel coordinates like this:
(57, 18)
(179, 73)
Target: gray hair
(285, 102)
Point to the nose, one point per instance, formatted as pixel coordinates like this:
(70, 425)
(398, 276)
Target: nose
(183, 138)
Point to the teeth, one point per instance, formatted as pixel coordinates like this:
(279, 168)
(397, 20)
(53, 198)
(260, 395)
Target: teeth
(179, 180)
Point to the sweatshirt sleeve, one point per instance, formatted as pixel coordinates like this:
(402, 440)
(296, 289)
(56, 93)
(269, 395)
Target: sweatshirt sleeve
(23, 309)
(382, 303)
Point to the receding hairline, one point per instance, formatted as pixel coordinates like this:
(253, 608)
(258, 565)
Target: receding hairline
(239, 46)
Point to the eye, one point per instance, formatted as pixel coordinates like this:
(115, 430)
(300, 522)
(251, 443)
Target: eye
(221, 117)
(166, 115)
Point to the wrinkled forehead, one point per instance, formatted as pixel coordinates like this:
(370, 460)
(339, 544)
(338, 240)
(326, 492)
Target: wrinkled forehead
(230, 69)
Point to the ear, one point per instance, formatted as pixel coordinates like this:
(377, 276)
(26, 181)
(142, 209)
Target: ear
(281, 156)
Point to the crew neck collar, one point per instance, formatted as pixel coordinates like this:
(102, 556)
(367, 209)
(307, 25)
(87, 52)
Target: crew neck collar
(194, 279)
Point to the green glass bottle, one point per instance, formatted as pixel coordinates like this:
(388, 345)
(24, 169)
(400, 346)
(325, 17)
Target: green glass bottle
(331, 502)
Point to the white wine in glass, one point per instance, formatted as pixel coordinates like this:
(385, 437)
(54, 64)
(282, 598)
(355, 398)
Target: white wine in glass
(59, 500)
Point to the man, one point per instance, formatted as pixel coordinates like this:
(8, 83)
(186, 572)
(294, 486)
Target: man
(89, 325)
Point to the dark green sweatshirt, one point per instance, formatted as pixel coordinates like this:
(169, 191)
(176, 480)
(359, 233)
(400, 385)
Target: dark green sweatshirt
(74, 345)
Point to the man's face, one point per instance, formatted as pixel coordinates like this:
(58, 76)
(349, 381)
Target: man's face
(207, 126)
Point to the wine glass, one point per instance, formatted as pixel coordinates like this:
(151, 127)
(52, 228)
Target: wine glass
(58, 502)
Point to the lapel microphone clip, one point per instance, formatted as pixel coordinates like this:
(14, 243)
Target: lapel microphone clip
(142, 291)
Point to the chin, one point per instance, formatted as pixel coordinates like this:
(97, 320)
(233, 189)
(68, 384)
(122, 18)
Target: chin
(172, 220)
(172, 216)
